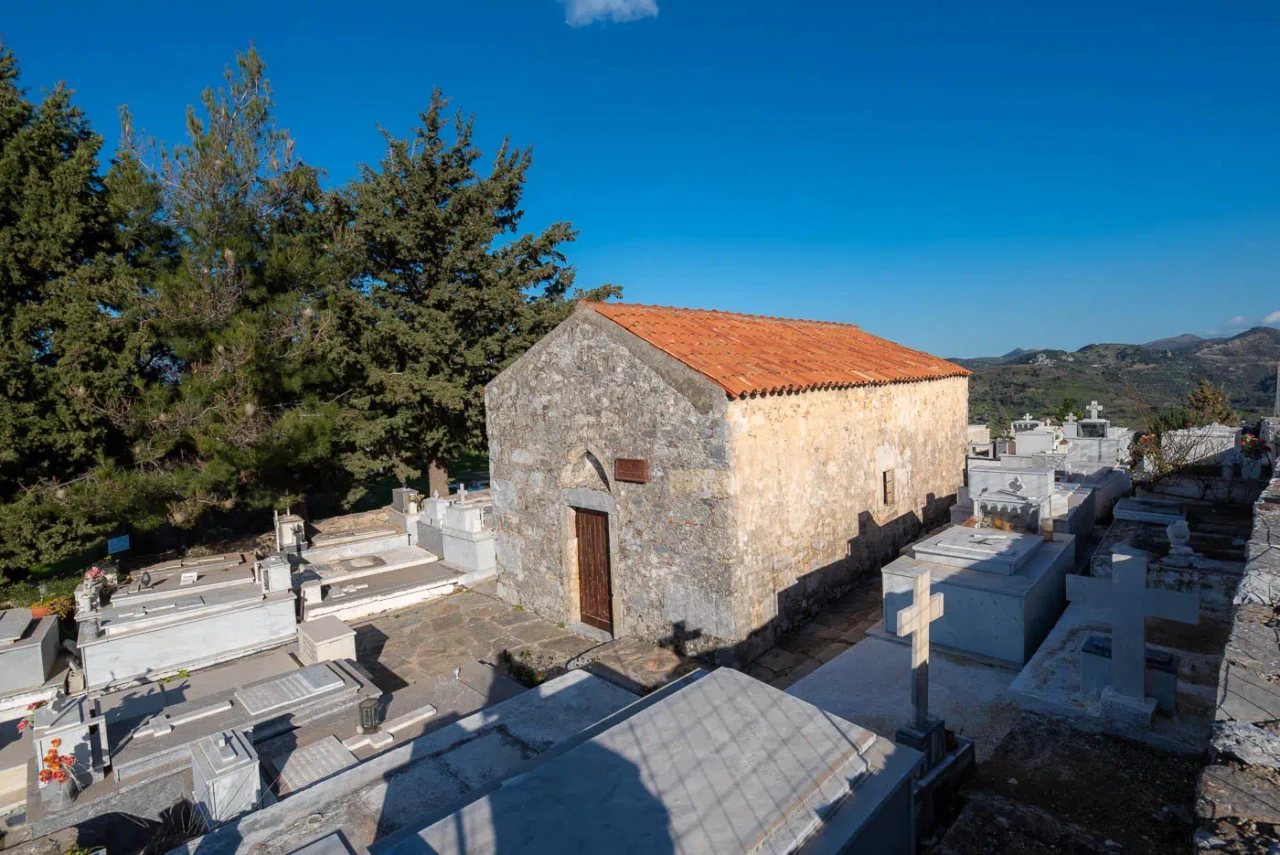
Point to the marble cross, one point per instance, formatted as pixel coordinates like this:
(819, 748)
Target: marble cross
(1129, 602)
(1071, 418)
(1094, 409)
(914, 621)
(1026, 417)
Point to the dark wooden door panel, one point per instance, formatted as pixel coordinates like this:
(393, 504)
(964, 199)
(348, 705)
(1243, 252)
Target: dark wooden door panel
(595, 589)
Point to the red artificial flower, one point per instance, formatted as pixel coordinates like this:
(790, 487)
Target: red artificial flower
(45, 776)
(61, 777)
(56, 742)
(22, 725)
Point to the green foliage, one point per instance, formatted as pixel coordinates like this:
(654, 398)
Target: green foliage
(1066, 407)
(1128, 381)
(203, 327)
(441, 292)
(1209, 404)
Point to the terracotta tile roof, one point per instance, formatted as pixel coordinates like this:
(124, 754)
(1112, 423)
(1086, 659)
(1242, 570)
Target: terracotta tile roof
(751, 354)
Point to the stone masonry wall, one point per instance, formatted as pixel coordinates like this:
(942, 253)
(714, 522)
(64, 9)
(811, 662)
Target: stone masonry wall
(580, 390)
(1238, 801)
(808, 478)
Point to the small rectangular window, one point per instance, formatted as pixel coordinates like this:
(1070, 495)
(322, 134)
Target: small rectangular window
(890, 494)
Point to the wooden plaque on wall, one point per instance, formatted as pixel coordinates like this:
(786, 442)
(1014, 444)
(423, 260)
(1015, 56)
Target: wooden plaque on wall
(631, 469)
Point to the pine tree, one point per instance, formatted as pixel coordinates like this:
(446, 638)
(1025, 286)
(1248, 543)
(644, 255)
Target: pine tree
(55, 220)
(442, 293)
(241, 418)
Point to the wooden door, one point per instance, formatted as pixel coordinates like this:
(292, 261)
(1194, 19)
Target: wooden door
(595, 588)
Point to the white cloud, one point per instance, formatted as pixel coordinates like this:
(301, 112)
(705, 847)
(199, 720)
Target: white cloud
(579, 13)
(1238, 321)
(1273, 318)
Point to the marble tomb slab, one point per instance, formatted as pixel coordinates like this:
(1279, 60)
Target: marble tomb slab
(726, 764)
(1160, 511)
(288, 689)
(1004, 553)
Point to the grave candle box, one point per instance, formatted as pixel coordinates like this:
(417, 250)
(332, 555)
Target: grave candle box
(291, 534)
(226, 782)
(325, 639)
(275, 573)
(1003, 590)
(405, 510)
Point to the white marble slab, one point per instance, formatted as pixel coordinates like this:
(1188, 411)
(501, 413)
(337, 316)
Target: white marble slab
(288, 689)
(1004, 553)
(13, 624)
(315, 762)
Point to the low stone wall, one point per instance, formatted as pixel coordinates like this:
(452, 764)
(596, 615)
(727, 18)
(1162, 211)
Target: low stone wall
(1238, 800)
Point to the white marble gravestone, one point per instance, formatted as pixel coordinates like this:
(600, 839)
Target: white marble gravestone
(1129, 602)
(1003, 589)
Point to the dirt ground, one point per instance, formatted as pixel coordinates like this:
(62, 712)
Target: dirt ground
(1050, 788)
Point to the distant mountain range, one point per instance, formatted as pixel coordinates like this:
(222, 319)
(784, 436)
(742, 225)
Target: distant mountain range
(1128, 380)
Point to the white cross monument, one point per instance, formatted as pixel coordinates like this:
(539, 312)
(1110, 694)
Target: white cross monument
(923, 734)
(1094, 409)
(1129, 602)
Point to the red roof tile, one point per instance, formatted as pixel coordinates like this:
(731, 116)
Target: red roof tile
(751, 354)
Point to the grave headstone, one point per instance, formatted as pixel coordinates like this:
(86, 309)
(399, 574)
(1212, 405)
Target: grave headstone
(1128, 603)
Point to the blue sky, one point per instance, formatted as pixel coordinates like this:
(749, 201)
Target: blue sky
(961, 177)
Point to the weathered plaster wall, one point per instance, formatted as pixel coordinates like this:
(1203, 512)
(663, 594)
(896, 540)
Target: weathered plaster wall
(808, 498)
(586, 388)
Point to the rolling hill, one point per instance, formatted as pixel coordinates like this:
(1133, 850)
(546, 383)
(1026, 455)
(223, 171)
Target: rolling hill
(1128, 380)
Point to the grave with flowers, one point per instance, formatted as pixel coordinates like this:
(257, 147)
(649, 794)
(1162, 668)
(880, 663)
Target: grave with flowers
(69, 738)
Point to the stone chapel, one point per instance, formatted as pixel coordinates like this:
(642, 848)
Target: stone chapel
(705, 479)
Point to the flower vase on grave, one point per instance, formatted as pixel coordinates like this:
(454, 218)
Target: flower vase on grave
(58, 795)
(58, 784)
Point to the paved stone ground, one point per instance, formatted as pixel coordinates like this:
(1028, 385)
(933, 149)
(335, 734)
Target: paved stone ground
(843, 623)
(429, 641)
